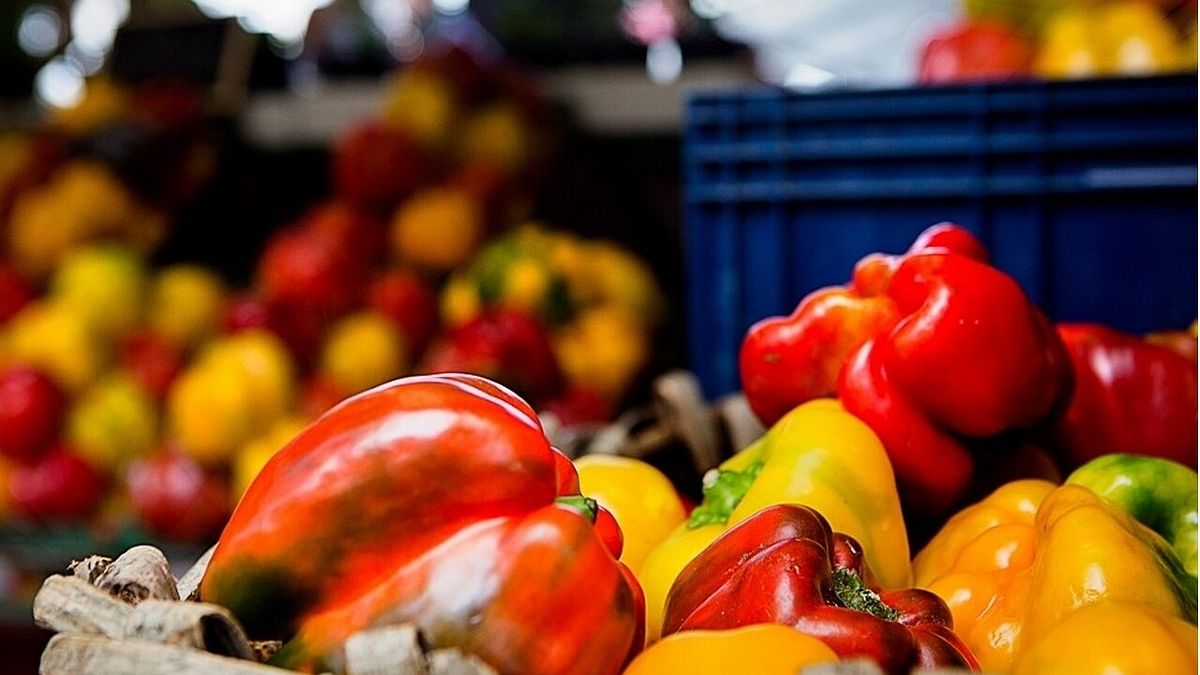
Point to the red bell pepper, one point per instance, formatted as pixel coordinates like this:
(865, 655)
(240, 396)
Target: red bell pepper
(1131, 396)
(930, 349)
(786, 565)
(433, 500)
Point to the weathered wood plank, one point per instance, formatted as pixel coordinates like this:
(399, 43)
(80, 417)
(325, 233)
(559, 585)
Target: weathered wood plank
(72, 605)
(141, 572)
(74, 654)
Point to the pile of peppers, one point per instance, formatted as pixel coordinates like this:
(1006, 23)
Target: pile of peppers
(438, 501)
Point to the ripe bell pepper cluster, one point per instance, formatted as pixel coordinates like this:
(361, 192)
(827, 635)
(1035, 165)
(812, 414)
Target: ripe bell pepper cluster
(943, 355)
(438, 501)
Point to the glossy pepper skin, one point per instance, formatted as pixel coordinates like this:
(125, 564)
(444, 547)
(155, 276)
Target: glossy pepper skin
(786, 565)
(1130, 396)
(433, 500)
(1159, 493)
(1113, 637)
(1016, 565)
(817, 455)
(930, 349)
(762, 649)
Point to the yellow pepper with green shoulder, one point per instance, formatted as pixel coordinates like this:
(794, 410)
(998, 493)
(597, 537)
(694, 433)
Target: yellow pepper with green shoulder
(1026, 570)
(817, 455)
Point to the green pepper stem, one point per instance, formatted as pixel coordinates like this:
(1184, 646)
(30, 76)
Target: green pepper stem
(854, 594)
(723, 491)
(586, 506)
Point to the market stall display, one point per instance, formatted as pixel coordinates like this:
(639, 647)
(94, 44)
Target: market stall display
(141, 399)
(410, 418)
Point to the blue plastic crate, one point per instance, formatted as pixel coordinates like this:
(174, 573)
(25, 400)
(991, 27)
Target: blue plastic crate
(1084, 191)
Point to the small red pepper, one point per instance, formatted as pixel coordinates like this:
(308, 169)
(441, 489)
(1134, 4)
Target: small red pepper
(785, 565)
(930, 348)
(1131, 396)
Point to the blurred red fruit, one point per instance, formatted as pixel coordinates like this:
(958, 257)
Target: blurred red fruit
(975, 51)
(376, 166)
(174, 497)
(579, 405)
(505, 345)
(15, 292)
(300, 327)
(361, 236)
(245, 312)
(303, 268)
(404, 297)
(61, 486)
(152, 360)
(31, 409)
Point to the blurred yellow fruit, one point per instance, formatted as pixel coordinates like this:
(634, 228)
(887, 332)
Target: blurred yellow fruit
(265, 367)
(639, 496)
(103, 103)
(186, 303)
(210, 413)
(1142, 41)
(255, 454)
(439, 228)
(517, 271)
(460, 301)
(42, 227)
(103, 283)
(604, 348)
(617, 277)
(58, 340)
(1120, 38)
(497, 135)
(82, 201)
(422, 104)
(15, 149)
(114, 421)
(1071, 47)
(526, 285)
(363, 350)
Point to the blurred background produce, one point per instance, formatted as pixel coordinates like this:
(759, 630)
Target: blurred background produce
(220, 218)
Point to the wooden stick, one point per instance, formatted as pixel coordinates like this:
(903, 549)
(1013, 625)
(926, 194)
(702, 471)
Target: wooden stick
(141, 572)
(74, 654)
(72, 605)
(189, 583)
(196, 625)
(454, 662)
(390, 650)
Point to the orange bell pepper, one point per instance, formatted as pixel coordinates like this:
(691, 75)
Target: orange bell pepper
(1017, 566)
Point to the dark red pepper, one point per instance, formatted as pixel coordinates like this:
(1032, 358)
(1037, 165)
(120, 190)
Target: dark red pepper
(1131, 396)
(785, 565)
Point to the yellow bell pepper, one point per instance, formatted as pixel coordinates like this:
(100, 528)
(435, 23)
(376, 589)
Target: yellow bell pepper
(1014, 567)
(817, 455)
(638, 495)
(763, 649)
(1114, 638)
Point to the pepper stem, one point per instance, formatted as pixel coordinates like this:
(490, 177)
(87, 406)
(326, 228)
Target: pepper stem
(854, 594)
(586, 506)
(723, 491)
